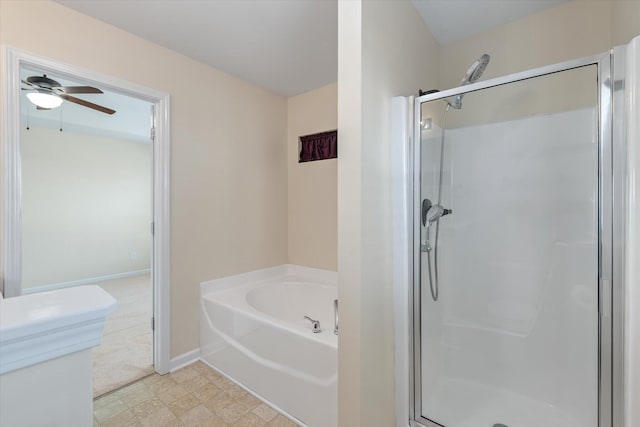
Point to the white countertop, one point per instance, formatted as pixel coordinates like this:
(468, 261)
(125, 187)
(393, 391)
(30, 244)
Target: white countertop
(38, 327)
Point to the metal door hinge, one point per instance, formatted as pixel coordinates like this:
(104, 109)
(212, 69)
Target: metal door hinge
(153, 134)
(153, 228)
(153, 323)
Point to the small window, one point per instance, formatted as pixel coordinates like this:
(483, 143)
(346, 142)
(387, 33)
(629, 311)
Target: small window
(319, 146)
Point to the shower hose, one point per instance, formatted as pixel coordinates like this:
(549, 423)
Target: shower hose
(433, 270)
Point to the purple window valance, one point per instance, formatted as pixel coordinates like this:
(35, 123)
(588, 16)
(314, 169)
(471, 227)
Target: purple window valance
(319, 146)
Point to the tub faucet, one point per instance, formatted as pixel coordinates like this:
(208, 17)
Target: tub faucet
(335, 316)
(315, 325)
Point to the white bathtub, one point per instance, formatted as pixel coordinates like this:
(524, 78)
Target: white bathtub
(252, 329)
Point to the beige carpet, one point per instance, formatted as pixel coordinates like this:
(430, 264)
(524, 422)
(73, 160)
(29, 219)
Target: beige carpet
(125, 354)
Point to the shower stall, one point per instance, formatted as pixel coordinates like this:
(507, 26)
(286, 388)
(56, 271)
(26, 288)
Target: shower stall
(513, 231)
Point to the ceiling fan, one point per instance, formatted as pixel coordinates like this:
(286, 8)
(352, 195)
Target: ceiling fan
(48, 93)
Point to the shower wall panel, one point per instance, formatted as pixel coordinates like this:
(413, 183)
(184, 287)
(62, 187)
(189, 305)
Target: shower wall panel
(513, 338)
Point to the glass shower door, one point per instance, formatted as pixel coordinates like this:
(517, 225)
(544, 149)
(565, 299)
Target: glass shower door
(507, 255)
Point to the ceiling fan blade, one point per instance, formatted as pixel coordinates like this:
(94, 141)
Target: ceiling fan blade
(77, 89)
(30, 84)
(86, 103)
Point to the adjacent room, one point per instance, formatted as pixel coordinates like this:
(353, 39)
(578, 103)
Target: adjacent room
(86, 213)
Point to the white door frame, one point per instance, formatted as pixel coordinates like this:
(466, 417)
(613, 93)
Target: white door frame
(11, 182)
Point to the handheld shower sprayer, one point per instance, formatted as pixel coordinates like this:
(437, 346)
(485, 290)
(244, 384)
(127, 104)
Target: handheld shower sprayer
(436, 212)
(430, 214)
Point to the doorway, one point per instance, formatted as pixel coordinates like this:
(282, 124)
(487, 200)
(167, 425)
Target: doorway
(86, 211)
(136, 269)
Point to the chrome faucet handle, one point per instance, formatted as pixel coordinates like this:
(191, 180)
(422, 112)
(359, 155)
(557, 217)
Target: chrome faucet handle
(315, 325)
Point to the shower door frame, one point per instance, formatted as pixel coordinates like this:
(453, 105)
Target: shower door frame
(611, 217)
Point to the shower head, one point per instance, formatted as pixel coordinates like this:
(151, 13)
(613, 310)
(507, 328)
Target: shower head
(473, 73)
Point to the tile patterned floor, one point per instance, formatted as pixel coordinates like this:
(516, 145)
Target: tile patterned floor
(192, 396)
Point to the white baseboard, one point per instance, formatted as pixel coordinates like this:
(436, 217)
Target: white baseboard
(87, 281)
(184, 359)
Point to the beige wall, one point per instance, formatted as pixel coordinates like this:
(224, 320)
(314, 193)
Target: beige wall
(537, 40)
(86, 206)
(625, 21)
(313, 186)
(398, 56)
(572, 30)
(228, 141)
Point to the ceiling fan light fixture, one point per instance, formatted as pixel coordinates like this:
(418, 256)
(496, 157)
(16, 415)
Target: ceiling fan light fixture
(44, 100)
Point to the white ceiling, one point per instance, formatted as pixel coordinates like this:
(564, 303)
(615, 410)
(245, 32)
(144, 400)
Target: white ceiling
(451, 20)
(286, 46)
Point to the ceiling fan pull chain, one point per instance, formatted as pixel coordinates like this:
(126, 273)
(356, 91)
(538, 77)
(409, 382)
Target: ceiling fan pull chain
(61, 118)
(27, 117)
